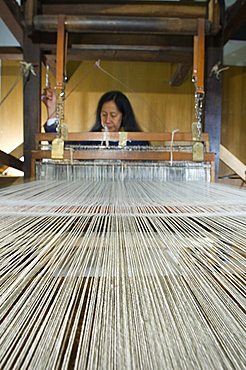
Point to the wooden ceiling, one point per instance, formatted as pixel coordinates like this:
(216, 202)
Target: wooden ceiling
(124, 30)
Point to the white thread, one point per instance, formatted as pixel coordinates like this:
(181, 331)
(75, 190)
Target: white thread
(171, 145)
(143, 276)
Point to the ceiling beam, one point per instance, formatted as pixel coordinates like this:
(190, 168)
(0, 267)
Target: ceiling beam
(11, 15)
(130, 53)
(165, 9)
(11, 53)
(121, 24)
(48, 39)
(138, 47)
(114, 2)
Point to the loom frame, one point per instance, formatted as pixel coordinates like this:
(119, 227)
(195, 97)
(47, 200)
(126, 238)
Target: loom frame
(131, 155)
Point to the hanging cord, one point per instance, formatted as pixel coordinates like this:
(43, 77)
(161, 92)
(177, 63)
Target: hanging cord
(47, 79)
(98, 65)
(25, 71)
(105, 136)
(171, 145)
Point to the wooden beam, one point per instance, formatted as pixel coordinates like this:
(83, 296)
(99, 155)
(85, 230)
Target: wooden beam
(30, 9)
(134, 53)
(195, 57)
(48, 39)
(135, 48)
(233, 162)
(114, 136)
(119, 24)
(10, 14)
(123, 155)
(11, 53)
(17, 153)
(113, 2)
(214, 16)
(10, 161)
(180, 74)
(60, 49)
(169, 49)
(155, 9)
(200, 59)
(169, 57)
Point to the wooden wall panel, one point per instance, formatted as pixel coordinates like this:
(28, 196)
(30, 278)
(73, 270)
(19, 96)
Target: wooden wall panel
(11, 111)
(233, 135)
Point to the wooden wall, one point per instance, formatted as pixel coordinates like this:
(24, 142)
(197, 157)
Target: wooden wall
(233, 133)
(11, 111)
(158, 106)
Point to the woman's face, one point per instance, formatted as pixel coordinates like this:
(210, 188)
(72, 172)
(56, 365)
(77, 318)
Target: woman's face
(111, 117)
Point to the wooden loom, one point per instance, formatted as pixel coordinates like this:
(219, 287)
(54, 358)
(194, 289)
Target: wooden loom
(197, 139)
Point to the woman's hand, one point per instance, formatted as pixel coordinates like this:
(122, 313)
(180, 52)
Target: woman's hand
(49, 99)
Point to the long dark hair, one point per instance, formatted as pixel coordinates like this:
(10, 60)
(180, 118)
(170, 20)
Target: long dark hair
(129, 122)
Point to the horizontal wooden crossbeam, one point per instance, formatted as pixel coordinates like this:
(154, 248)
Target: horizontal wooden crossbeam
(10, 161)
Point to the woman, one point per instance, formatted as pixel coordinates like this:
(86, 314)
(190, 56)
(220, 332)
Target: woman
(114, 113)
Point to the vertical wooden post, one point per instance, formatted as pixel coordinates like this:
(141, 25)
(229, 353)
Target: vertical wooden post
(31, 8)
(200, 60)
(60, 51)
(198, 79)
(195, 52)
(60, 86)
(199, 57)
(213, 86)
(213, 106)
(32, 102)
